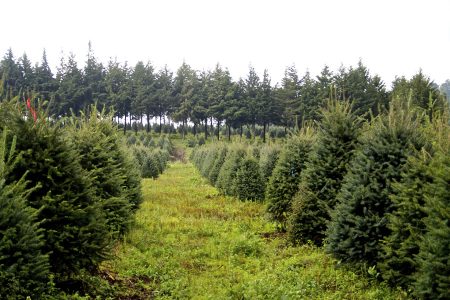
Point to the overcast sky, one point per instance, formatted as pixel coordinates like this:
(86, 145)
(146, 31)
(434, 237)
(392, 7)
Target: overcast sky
(392, 37)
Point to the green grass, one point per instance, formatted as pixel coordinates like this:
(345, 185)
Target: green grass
(190, 243)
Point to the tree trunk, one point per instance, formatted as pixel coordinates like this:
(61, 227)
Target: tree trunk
(195, 129)
(148, 123)
(229, 132)
(125, 126)
(218, 130)
(160, 124)
(240, 133)
(206, 129)
(264, 132)
(212, 129)
(182, 130)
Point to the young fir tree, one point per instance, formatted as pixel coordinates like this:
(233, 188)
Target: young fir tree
(321, 180)
(215, 169)
(398, 263)
(407, 221)
(73, 223)
(248, 182)
(228, 171)
(432, 279)
(209, 160)
(283, 184)
(24, 267)
(359, 222)
(102, 156)
(268, 161)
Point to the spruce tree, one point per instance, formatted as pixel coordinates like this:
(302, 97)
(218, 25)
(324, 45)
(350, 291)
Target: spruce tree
(248, 182)
(24, 267)
(359, 222)
(283, 184)
(327, 165)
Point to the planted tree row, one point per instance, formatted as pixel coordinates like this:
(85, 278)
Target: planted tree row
(68, 191)
(374, 193)
(204, 100)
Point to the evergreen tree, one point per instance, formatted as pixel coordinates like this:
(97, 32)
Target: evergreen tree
(24, 267)
(359, 222)
(217, 165)
(45, 83)
(283, 184)
(103, 157)
(422, 91)
(10, 76)
(94, 81)
(72, 221)
(70, 93)
(27, 75)
(406, 222)
(209, 160)
(433, 272)
(327, 165)
(248, 182)
(268, 161)
(228, 171)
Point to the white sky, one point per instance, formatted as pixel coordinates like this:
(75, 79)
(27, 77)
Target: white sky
(392, 37)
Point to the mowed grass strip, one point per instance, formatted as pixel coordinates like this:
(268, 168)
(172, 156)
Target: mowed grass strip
(191, 243)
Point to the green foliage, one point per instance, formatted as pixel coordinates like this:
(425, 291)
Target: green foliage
(217, 165)
(150, 165)
(359, 222)
(107, 163)
(268, 160)
(209, 160)
(73, 223)
(407, 222)
(321, 180)
(248, 183)
(24, 267)
(225, 179)
(400, 247)
(283, 184)
(433, 272)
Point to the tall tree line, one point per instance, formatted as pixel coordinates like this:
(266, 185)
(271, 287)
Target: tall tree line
(205, 100)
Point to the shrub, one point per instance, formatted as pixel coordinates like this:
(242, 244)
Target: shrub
(321, 180)
(283, 184)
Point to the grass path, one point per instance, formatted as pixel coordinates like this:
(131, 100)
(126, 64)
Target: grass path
(190, 243)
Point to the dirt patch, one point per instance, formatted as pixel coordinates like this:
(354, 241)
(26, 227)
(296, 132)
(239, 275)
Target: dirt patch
(179, 154)
(129, 288)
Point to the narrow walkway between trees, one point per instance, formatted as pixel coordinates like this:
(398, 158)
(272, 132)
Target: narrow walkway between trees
(190, 243)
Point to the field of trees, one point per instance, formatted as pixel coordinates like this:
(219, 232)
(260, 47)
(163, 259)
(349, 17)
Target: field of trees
(331, 187)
